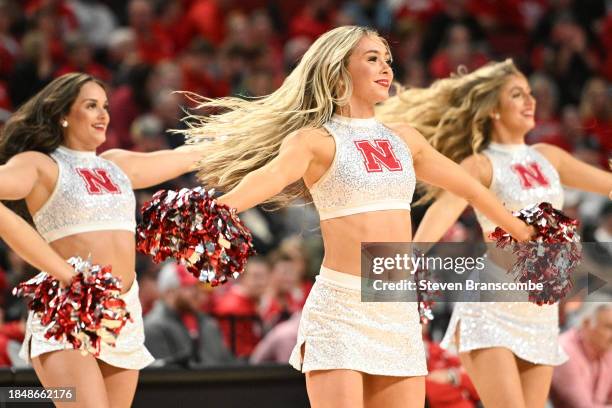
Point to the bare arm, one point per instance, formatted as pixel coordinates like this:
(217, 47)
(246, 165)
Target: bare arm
(26, 242)
(440, 216)
(577, 174)
(447, 208)
(18, 176)
(288, 167)
(434, 168)
(149, 169)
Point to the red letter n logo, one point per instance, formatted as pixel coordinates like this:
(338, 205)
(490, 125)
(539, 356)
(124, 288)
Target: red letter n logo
(98, 181)
(375, 156)
(530, 175)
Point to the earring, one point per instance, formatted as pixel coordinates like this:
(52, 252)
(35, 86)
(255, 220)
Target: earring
(496, 116)
(64, 123)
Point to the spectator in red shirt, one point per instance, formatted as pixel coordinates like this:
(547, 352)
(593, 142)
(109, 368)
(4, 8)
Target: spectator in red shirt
(154, 44)
(459, 51)
(172, 15)
(207, 19)
(237, 310)
(452, 12)
(196, 63)
(314, 19)
(285, 294)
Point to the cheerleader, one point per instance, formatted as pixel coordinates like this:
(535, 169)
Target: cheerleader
(82, 205)
(480, 120)
(316, 136)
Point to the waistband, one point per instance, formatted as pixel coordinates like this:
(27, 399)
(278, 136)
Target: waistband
(132, 292)
(342, 279)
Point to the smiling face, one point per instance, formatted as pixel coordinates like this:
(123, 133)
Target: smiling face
(87, 119)
(516, 106)
(370, 71)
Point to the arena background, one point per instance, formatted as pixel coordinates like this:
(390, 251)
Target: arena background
(145, 49)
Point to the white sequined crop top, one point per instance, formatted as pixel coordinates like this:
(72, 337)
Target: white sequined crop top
(372, 170)
(91, 194)
(521, 177)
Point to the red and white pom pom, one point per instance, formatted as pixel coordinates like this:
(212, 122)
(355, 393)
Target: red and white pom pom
(550, 258)
(86, 313)
(192, 227)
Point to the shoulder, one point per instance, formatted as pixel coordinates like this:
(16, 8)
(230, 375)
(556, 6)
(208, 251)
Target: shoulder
(479, 166)
(552, 153)
(31, 157)
(114, 155)
(412, 137)
(306, 135)
(304, 139)
(476, 161)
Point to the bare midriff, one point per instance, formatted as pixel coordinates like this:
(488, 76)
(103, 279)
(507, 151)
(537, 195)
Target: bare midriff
(343, 236)
(115, 248)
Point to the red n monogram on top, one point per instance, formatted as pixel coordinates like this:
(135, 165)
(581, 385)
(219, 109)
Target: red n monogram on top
(374, 157)
(531, 175)
(98, 181)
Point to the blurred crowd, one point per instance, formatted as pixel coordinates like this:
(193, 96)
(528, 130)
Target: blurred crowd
(145, 49)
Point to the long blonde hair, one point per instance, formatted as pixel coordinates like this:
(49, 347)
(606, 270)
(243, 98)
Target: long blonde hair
(247, 134)
(453, 114)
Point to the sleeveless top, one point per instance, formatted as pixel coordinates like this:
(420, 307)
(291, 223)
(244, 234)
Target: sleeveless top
(372, 170)
(521, 177)
(91, 194)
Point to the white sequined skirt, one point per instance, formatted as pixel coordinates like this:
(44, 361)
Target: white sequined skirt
(338, 331)
(530, 331)
(129, 351)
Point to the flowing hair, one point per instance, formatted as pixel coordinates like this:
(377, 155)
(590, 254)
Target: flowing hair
(247, 134)
(35, 126)
(453, 114)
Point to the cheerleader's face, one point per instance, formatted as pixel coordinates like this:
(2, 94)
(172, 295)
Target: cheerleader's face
(87, 119)
(370, 70)
(516, 106)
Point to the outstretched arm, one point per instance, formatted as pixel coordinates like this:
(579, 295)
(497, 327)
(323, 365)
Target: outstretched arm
(149, 169)
(26, 242)
(436, 169)
(577, 174)
(447, 208)
(288, 167)
(440, 216)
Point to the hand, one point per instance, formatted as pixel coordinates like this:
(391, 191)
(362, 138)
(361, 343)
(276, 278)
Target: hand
(528, 234)
(64, 283)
